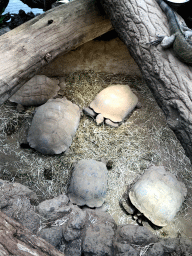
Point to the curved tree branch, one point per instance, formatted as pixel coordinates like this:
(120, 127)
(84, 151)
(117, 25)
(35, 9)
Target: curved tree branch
(170, 80)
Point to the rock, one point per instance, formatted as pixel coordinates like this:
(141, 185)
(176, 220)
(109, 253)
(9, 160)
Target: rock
(21, 210)
(20, 18)
(73, 248)
(55, 208)
(53, 235)
(134, 234)
(76, 222)
(124, 250)
(15, 201)
(99, 234)
(129, 238)
(171, 246)
(14, 190)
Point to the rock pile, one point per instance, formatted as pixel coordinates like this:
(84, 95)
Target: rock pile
(77, 231)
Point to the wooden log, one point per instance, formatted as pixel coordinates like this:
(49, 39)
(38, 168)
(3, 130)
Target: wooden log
(25, 49)
(137, 23)
(18, 240)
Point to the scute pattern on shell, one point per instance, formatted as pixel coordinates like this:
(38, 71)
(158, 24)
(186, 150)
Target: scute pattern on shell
(36, 91)
(53, 126)
(158, 195)
(115, 102)
(88, 184)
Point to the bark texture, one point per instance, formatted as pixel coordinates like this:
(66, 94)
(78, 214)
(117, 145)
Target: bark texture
(18, 240)
(170, 80)
(25, 49)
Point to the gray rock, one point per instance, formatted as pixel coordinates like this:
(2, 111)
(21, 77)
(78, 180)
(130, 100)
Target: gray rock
(73, 248)
(15, 201)
(134, 234)
(130, 238)
(21, 210)
(124, 250)
(53, 235)
(171, 246)
(54, 208)
(99, 234)
(13, 190)
(77, 219)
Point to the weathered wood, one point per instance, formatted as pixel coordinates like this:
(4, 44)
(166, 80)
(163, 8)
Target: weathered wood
(18, 240)
(25, 49)
(137, 23)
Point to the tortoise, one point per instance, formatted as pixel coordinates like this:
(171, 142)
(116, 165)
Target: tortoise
(53, 126)
(157, 195)
(36, 91)
(88, 185)
(112, 105)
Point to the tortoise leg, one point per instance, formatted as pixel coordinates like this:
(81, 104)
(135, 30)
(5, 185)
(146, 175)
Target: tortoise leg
(109, 122)
(126, 204)
(99, 119)
(89, 112)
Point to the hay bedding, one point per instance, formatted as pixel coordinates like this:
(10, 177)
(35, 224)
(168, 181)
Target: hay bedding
(142, 140)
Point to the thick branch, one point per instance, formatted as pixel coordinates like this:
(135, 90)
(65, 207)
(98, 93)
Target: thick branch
(18, 240)
(25, 49)
(137, 23)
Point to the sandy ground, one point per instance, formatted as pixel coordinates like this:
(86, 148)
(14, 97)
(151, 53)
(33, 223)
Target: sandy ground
(144, 139)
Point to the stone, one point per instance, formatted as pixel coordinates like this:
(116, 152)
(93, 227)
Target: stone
(99, 234)
(54, 208)
(53, 235)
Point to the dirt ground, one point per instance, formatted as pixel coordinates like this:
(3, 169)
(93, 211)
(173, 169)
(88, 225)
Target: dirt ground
(144, 139)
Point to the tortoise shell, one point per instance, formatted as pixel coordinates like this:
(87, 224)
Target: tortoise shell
(158, 195)
(115, 102)
(53, 126)
(88, 184)
(36, 91)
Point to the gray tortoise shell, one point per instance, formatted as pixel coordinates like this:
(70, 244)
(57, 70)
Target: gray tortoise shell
(53, 126)
(36, 91)
(88, 184)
